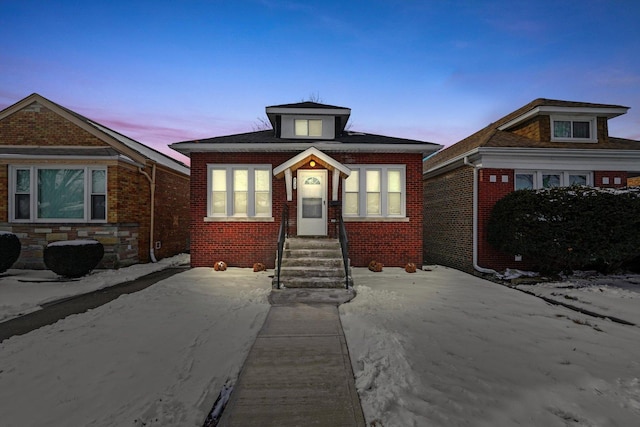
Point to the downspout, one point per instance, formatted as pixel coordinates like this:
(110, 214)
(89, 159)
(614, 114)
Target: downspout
(475, 220)
(152, 185)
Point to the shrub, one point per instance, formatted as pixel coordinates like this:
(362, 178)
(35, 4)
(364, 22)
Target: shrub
(568, 228)
(10, 248)
(73, 258)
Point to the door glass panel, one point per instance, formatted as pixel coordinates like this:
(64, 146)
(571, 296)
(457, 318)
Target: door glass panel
(312, 207)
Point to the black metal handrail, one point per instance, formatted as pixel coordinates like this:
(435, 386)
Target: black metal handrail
(344, 245)
(282, 235)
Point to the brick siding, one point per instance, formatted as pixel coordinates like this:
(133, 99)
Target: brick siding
(241, 244)
(125, 236)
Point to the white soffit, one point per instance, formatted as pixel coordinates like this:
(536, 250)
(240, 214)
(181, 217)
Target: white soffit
(574, 111)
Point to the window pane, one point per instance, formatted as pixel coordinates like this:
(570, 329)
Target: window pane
(219, 203)
(581, 130)
(240, 180)
(351, 204)
(562, 129)
(315, 127)
(524, 181)
(263, 203)
(219, 180)
(352, 183)
(373, 181)
(301, 127)
(263, 179)
(373, 203)
(98, 182)
(240, 202)
(577, 180)
(61, 193)
(549, 181)
(23, 181)
(22, 206)
(98, 207)
(394, 201)
(394, 183)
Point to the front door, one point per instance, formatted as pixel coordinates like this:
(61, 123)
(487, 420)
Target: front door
(312, 202)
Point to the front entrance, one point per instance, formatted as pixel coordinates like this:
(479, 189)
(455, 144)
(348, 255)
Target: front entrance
(312, 202)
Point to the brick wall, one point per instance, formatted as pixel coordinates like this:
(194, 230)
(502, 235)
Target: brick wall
(448, 219)
(126, 234)
(244, 243)
(610, 179)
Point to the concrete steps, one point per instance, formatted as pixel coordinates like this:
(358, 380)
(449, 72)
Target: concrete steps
(312, 263)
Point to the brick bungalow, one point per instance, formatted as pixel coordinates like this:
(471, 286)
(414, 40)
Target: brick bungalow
(546, 143)
(308, 163)
(67, 177)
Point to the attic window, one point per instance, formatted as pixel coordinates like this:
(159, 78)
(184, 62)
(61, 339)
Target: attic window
(577, 129)
(308, 127)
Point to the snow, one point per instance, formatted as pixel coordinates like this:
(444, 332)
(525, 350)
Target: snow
(437, 348)
(443, 348)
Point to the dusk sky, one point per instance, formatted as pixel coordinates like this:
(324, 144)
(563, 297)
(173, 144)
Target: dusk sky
(168, 71)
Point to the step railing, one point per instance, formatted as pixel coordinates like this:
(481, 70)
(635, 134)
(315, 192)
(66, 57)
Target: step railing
(282, 236)
(344, 245)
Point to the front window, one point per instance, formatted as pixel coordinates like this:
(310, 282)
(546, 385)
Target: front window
(308, 127)
(239, 190)
(375, 191)
(59, 194)
(578, 129)
(544, 179)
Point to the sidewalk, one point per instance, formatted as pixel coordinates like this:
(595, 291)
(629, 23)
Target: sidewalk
(298, 371)
(56, 310)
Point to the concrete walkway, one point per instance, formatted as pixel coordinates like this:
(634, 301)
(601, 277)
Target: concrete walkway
(298, 372)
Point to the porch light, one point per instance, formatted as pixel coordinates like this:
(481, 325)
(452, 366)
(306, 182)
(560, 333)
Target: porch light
(312, 163)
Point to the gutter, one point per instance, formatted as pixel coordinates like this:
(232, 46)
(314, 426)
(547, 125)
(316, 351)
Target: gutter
(475, 219)
(152, 186)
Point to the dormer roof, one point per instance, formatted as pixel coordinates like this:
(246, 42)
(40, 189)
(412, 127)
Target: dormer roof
(308, 108)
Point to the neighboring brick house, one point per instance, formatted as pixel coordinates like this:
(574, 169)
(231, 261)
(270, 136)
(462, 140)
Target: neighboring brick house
(308, 162)
(546, 143)
(67, 177)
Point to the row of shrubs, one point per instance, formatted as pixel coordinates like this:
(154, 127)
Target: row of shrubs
(563, 229)
(73, 258)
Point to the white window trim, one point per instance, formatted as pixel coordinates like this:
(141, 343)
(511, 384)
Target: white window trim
(564, 177)
(250, 216)
(362, 193)
(593, 128)
(307, 119)
(33, 193)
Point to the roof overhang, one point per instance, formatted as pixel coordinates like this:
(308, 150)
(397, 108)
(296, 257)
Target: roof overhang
(187, 148)
(608, 112)
(306, 156)
(542, 159)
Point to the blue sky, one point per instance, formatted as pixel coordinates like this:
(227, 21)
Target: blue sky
(167, 71)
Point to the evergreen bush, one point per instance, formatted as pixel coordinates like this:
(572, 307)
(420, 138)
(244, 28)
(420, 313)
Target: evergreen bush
(10, 248)
(566, 228)
(73, 258)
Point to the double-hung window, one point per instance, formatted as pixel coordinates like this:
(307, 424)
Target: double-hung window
(239, 190)
(576, 129)
(58, 194)
(375, 191)
(308, 127)
(550, 179)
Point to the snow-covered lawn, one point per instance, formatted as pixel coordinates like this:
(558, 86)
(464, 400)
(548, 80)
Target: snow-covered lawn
(158, 357)
(444, 348)
(434, 348)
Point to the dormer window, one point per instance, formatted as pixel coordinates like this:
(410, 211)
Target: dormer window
(308, 127)
(573, 129)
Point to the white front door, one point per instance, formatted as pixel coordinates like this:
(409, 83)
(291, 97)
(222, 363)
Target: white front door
(312, 202)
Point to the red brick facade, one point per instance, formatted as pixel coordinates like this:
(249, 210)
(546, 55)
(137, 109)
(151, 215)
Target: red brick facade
(241, 244)
(125, 234)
